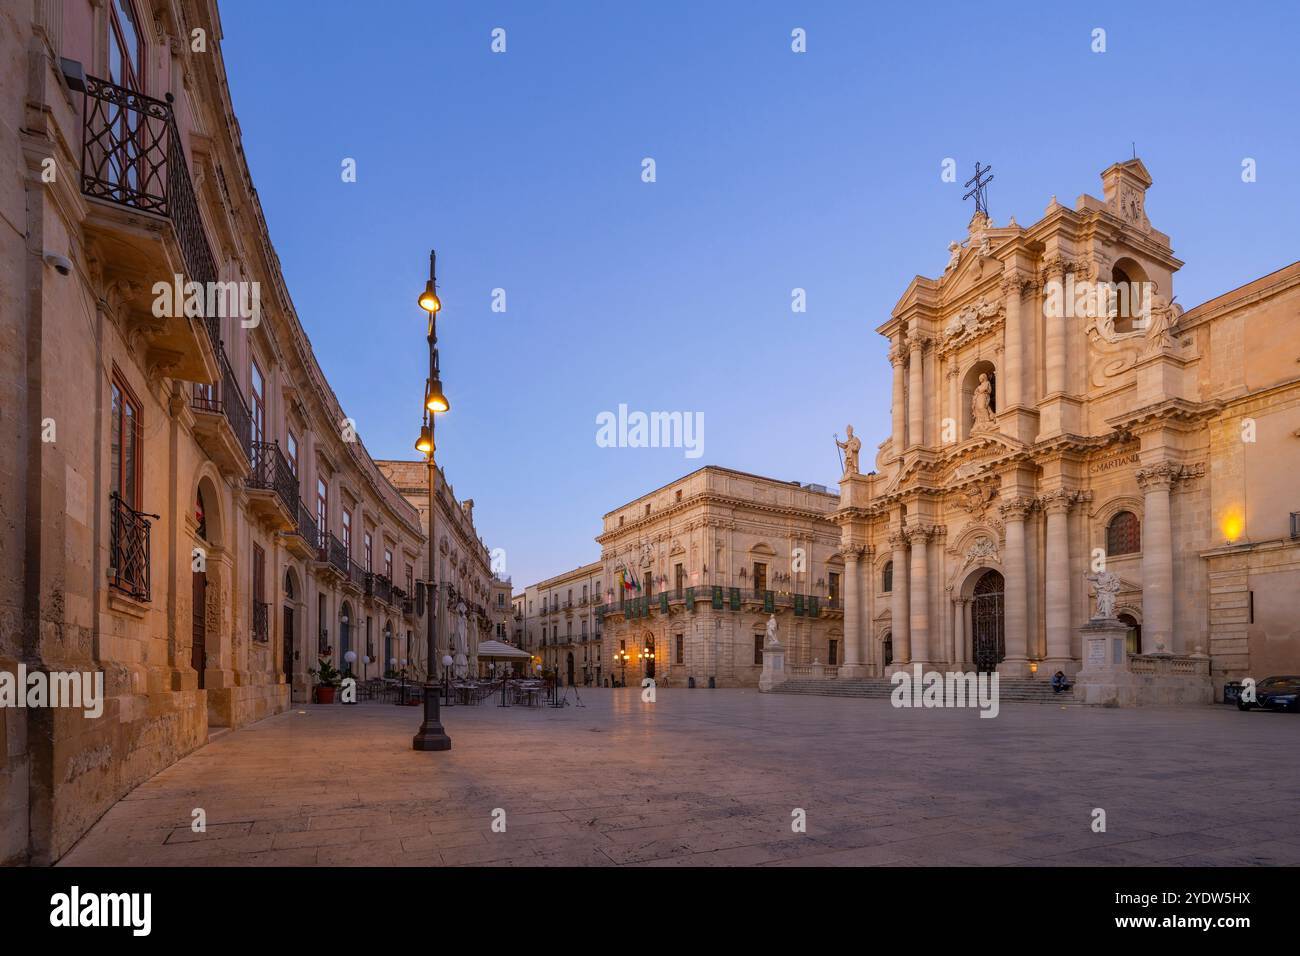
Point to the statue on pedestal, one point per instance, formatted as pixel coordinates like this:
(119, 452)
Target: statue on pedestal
(852, 446)
(1107, 585)
(772, 640)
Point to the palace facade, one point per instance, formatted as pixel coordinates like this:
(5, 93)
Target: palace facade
(187, 510)
(716, 554)
(1038, 439)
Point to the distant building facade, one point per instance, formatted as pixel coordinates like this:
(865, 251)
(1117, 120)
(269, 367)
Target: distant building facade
(462, 564)
(714, 555)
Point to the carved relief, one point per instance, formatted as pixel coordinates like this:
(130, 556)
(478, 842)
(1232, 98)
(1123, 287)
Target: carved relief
(984, 549)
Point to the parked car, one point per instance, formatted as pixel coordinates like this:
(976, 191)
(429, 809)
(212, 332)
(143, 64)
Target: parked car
(1275, 693)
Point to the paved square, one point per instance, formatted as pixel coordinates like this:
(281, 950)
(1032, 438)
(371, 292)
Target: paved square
(711, 778)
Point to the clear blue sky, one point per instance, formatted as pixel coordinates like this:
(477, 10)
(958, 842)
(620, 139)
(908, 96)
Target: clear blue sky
(775, 171)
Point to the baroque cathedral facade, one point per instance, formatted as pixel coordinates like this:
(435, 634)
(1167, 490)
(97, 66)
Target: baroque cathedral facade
(1056, 416)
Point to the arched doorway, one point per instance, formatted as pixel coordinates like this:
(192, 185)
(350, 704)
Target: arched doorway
(887, 649)
(649, 657)
(199, 592)
(1132, 640)
(345, 635)
(569, 668)
(988, 642)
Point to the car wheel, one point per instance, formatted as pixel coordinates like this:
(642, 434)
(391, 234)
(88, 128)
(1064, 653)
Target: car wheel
(1242, 705)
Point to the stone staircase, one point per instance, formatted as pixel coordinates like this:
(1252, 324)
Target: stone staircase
(1010, 690)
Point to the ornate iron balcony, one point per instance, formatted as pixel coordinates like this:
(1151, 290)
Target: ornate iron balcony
(132, 156)
(306, 527)
(128, 548)
(271, 472)
(333, 551)
(224, 398)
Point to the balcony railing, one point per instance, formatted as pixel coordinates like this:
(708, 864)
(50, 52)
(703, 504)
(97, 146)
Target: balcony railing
(359, 576)
(306, 527)
(132, 156)
(261, 621)
(271, 472)
(224, 398)
(331, 549)
(128, 546)
(383, 589)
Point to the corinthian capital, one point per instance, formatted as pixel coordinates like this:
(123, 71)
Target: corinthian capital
(917, 340)
(1016, 283)
(1057, 502)
(1057, 265)
(1159, 476)
(898, 540)
(1016, 509)
(898, 354)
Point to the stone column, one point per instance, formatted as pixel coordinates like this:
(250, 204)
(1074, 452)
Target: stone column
(1013, 286)
(954, 403)
(867, 594)
(1057, 585)
(916, 388)
(1158, 558)
(1054, 346)
(852, 665)
(898, 358)
(898, 625)
(1015, 615)
(959, 632)
(921, 639)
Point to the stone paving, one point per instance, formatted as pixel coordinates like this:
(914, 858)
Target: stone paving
(712, 777)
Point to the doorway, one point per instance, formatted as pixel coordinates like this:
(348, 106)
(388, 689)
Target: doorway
(199, 625)
(988, 641)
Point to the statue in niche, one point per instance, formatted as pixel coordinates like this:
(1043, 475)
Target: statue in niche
(981, 405)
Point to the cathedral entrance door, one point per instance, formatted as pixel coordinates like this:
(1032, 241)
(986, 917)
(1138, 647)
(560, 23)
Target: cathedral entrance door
(987, 638)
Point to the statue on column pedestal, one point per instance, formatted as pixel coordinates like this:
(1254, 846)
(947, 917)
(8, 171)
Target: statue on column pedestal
(852, 446)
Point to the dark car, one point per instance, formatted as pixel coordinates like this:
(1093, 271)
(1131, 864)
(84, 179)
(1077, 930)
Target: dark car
(1275, 693)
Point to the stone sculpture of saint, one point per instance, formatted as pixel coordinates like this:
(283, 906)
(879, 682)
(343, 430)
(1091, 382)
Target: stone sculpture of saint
(771, 632)
(981, 406)
(954, 256)
(852, 446)
(1107, 585)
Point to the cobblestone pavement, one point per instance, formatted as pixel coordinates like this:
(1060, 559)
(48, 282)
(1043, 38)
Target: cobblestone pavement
(712, 778)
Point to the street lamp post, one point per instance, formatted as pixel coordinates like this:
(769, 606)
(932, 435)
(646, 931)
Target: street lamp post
(431, 735)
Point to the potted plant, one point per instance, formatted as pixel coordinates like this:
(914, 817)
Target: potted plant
(327, 679)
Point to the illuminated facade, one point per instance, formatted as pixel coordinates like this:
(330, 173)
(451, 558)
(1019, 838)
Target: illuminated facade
(1039, 437)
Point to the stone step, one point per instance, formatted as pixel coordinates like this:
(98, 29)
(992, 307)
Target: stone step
(1014, 690)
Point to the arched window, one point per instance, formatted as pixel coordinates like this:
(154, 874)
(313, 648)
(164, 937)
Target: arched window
(288, 586)
(887, 577)
(1123, 534)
